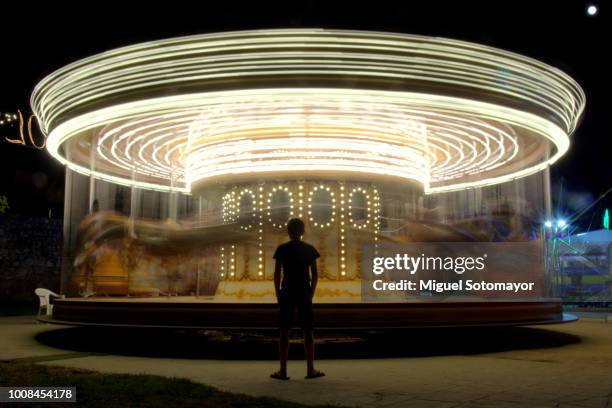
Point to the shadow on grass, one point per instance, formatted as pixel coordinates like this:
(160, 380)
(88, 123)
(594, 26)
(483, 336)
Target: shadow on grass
(201, 344)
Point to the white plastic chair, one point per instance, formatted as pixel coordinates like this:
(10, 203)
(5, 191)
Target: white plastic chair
(44, 296)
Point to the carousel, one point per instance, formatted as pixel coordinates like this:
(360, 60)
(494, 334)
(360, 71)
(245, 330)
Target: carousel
(185, 158)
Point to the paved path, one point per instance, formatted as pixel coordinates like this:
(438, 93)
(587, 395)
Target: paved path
(574, 375)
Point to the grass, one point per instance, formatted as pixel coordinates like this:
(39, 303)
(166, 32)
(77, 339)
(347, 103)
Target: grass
(126, 390)
(18, 308)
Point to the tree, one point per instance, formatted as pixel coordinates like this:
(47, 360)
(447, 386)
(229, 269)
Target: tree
(4, 206)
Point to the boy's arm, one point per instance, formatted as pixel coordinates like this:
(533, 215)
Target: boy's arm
(315, 277)
(277, 278)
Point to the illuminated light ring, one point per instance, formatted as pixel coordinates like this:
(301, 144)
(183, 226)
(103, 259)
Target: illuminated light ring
(269, 208)
(332, 217)
(368, 208)
(309, 52)
(237, 207)
(471, 107)
(435, 173)
(443, 105)
(228, 209)
(152, 138)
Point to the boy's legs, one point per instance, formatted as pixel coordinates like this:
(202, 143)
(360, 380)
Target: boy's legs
(309, 351)
(283, 350)
(306, 320)
(285, 321)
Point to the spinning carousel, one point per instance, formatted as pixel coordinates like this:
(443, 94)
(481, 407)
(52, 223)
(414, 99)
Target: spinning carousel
(186, 157)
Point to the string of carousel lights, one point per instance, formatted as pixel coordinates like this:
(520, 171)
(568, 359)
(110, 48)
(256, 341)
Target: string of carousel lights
(342, 235)
(252, 213)
(312, 207)
(368, 206)
(260, 235)
(289, 205)
(344, 209)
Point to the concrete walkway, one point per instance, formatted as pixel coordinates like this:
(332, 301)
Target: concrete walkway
(573, 375)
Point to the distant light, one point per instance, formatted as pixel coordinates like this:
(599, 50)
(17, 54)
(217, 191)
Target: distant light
(592, 10)
(548, 224)
(561, 223)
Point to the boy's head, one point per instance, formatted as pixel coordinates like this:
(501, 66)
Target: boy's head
(295, 228)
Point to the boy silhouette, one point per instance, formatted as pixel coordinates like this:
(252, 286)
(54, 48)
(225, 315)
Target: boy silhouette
(298, 262)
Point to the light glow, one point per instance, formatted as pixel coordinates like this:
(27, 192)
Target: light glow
(459, 115)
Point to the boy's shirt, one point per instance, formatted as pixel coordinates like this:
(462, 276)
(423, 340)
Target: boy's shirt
(296, 258)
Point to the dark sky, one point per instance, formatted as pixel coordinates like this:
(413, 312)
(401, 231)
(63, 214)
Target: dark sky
(37, 39)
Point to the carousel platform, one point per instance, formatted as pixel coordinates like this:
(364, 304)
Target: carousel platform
(208, 313)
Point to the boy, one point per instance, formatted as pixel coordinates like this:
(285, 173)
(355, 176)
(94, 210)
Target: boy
(298, 261)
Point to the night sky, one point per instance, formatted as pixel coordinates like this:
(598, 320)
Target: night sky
(37, 39)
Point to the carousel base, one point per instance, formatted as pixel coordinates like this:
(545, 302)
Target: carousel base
(200, 313)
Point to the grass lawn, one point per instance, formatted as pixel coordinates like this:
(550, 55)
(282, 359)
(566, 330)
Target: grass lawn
(109, 390)
(18, 308)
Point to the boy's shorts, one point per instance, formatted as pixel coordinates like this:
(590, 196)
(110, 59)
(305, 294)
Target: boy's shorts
(288, 302)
